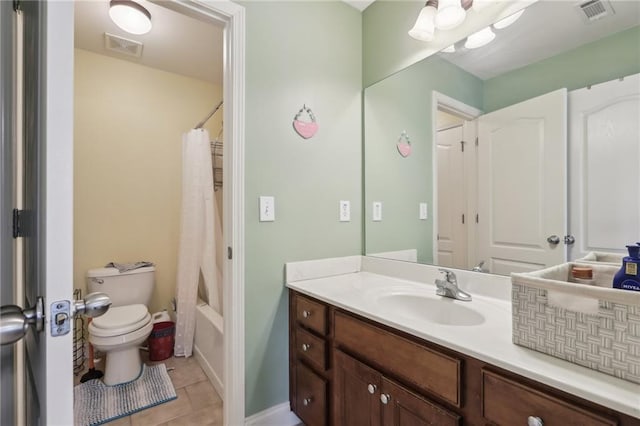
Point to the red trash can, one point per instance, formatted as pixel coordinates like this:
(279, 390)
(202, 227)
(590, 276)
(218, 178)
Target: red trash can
(161, 340)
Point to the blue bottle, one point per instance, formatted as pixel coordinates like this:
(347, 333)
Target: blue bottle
(628, 277)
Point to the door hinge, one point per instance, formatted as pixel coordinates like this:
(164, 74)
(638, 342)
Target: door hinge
(463, 218)
(229, 253)
(18, 223)
(476, 141)
(462, 145)
(477, 218)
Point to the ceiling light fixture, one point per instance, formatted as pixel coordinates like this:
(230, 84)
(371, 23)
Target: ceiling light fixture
(480, 38)
(504, 23)
(450, 14)
(424, 29)
(130, 16)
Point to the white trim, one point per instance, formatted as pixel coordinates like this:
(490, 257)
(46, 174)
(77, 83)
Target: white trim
(57, 408)
(232, 16)
(320, 268)
(453, 106)
(209, 371)
(278, 415)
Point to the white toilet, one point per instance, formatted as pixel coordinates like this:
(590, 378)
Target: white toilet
(126, 325)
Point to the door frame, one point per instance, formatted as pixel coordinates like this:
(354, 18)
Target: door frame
(469, 113)
(232, 17)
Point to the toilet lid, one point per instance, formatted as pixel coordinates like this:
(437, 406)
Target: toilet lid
(121, 317)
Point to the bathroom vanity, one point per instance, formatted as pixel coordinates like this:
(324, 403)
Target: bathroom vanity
(374, 349)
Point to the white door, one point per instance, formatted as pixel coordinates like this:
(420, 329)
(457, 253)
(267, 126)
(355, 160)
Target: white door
(604, 159)
(522, 184)
(43, 390)
(452, 236)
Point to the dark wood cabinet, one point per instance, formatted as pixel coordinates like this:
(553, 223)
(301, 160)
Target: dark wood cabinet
(350, 371)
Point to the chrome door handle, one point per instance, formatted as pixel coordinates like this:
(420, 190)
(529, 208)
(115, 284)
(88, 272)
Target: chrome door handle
(385, 398)
(534, 421)
(94, 305)
(553, 239)
(569, 239)
(306, 347)
(306, 313)
(307, 401)
(15, 321)
(371, 388)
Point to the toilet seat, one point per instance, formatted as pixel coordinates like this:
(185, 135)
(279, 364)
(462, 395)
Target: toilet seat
(120, 320)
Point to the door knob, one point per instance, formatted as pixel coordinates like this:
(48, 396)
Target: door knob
(534, 421)
(569, 239)
(385, 398)
(15, 321)
(371, 388)
(553, 239)
(94, 305)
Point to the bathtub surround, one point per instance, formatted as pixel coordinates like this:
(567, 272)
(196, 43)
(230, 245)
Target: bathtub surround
(127, 165)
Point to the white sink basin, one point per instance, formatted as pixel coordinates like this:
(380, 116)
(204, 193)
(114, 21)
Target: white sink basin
(436, 309)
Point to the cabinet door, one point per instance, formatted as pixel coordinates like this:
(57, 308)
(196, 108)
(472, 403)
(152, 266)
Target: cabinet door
(356, 393)
(401, 407)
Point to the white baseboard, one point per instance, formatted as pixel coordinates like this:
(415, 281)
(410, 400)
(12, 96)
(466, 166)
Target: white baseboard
(208, 370)
(278, 415)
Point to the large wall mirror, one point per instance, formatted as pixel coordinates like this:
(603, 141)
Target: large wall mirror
(520, 154)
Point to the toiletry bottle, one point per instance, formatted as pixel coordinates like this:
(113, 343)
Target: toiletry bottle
(582, 275)
(628, 277)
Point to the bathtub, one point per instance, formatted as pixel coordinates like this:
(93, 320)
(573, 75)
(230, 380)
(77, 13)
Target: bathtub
(208, 346)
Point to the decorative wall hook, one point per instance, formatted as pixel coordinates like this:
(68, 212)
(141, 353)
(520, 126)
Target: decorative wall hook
(404, 144)
(304, 128)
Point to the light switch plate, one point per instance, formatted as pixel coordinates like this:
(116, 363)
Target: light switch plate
(267, 209)
(345, 211)
(377, 211)
(424, 214)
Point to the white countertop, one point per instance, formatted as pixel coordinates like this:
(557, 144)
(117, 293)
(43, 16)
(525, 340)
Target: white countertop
(490, 341)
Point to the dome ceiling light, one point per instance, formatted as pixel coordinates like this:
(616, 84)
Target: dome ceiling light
(130, 16)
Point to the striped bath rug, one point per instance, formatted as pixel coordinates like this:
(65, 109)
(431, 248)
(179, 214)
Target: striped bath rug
(96, 403)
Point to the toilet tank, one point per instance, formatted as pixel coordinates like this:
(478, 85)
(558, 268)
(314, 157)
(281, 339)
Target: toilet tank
(126, 288)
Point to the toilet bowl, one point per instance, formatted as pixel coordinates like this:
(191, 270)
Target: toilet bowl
(119, 334)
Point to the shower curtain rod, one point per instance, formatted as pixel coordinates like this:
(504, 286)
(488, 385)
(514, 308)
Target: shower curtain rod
(200, 124)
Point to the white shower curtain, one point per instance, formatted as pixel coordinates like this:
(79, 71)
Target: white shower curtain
(199, 230)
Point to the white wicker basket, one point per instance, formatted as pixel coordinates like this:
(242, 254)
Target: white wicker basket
(597, 257)
(606, 338)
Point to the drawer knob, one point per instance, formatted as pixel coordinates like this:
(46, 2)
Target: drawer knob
(306, 313)
(306, 347)
(307, 401)
(372, 388)
(385, 398)
(534, 421)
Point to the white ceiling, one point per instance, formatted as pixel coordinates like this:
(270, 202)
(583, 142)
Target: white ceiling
(547, 28)
(359, 4)
(176, 43)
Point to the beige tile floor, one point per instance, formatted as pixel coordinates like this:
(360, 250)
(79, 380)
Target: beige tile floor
(198, 404)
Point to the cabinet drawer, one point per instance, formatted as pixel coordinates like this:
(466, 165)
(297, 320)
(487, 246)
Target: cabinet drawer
(311, 348)
(311, 314)
(311, 397)
(426, 369)
(507, 402)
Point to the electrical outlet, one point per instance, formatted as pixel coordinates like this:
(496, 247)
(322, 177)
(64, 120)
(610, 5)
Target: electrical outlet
(345, 211)
(424, 213)
(377, 211)
(267, 209)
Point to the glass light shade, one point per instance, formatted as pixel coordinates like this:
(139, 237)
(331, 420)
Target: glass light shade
(130, 16)
(504, 23)
(424, 29)
(450, 49)
(450, 14)
(480, 38)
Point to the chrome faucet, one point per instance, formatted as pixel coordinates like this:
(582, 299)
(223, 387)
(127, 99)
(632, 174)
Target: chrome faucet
(478, 267)
(449, 287)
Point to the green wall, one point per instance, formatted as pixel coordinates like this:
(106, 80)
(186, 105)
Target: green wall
(403, 102)
(612, 57)
(297, 53)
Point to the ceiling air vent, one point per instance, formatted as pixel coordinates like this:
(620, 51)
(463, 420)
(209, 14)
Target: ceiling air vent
(593, 10)
(122, 45)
